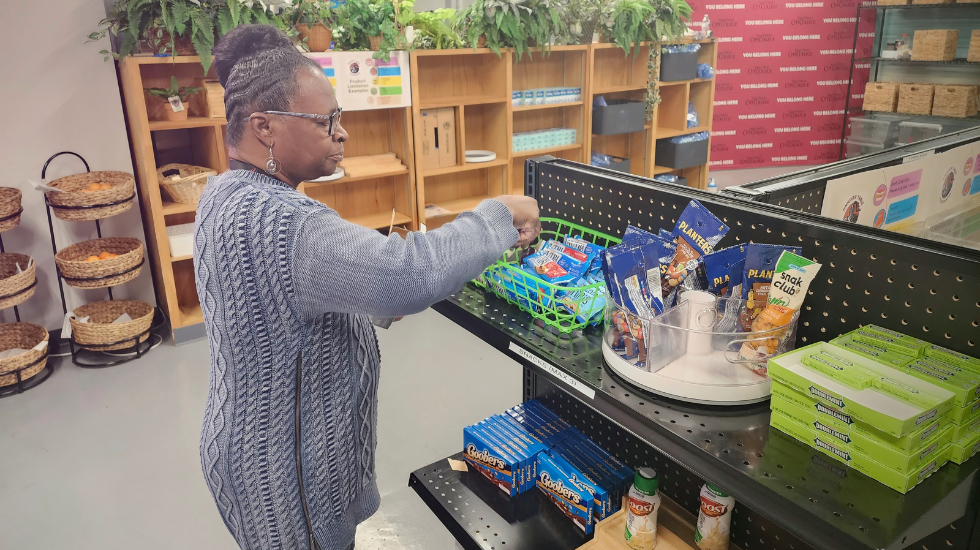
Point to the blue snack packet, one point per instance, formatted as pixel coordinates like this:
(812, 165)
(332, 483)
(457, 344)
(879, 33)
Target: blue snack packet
(546, 264)
(717, 267)
(697, 232)
(627, 269)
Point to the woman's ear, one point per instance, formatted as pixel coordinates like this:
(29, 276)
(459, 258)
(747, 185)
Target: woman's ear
(261, 126)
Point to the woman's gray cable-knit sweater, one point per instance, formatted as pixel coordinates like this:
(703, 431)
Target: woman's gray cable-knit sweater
(283, 280)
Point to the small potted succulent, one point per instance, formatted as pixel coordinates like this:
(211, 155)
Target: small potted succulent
(312, 21)
(174, 96)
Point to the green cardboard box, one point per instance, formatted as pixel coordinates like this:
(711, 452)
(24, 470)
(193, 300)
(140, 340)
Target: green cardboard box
(868, 351)
(962, 450)
(965, 430)
(897, 405)
(901, 482)
(965, 390)
(905, 345)
(955, 357)
(859, 441)
(811, 410)
(965, 415)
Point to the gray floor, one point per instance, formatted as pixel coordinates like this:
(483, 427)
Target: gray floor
(107, 459)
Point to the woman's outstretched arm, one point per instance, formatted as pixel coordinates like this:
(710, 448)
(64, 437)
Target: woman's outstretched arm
(343, 267)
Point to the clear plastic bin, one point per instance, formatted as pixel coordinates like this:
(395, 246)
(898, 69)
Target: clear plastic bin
(855, 147)
(960, 227)
(694, 351)
(882, 129)
(910, 132)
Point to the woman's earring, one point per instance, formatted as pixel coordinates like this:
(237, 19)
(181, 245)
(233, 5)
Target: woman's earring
(272, 165)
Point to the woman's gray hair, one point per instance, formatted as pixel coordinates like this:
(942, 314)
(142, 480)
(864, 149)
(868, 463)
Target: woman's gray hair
(257, 66)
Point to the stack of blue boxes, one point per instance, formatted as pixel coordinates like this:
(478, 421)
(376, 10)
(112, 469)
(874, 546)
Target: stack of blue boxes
(530, 446)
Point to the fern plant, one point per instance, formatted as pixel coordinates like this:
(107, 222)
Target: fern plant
(633, 21)
(499, 21)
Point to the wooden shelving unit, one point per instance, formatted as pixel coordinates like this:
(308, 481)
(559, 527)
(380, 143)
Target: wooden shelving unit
(368, 200)
(476, 84)
(615, 76)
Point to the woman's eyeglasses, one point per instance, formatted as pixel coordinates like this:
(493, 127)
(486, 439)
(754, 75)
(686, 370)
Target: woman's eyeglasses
(332, 120)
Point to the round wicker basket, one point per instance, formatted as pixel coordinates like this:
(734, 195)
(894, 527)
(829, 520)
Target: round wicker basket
(375, 42)
(101, 334)
(24, 336)
(74, 204)
(10, 208)
(318, 37)
(16, 287)
(187, 185)
(114, 271)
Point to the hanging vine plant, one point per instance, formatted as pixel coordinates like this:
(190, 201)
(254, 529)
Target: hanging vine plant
(667, 23)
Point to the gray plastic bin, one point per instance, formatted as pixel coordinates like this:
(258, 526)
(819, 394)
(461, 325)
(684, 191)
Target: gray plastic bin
(681, 155)
(619, 117)
(678, 66)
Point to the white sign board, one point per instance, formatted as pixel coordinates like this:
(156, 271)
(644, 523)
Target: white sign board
(363, 83)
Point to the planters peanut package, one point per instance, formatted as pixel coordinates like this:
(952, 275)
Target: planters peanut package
(697, 232)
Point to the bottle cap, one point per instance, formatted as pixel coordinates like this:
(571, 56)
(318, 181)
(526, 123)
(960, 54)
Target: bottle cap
(645, 480)
(716, 490)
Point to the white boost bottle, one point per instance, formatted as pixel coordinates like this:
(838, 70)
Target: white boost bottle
(644, 503)
(714, 519)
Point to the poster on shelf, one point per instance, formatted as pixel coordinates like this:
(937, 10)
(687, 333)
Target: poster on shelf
(953, 182)
(858, 198)
(904, 204)
(363, 83)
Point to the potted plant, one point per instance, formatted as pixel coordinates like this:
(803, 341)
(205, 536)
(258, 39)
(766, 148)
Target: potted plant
(311, 19)
(376, 20)
(582, 18)
(432, 29)
(631, 24)
(497, 24)
(175, 108)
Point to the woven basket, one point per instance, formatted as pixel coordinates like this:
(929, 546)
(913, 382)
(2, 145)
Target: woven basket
(77, 205)
(16, 287)
(881, 96)
(10, 208)
(190, 182)
(935, 45)
(955, 101)
(588, 31)
(915, 99)
(973, 56)
(317, 38)
(114, 271)
(100, 333)
(375, 43)
(24, 336)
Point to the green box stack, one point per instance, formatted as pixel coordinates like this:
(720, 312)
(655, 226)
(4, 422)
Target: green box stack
(943, 367)
(885, 423)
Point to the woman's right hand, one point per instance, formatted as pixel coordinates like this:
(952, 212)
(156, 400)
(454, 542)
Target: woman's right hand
(527, 219)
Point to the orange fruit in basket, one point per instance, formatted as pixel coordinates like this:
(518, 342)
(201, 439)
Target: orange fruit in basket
(105, 186)
(94, 187)
(105, 255)
(92, 259)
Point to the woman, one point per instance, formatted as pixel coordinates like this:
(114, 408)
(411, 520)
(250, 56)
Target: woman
(286, 287)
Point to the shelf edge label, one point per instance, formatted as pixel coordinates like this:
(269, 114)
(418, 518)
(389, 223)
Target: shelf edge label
(561, 375)
(917, 156)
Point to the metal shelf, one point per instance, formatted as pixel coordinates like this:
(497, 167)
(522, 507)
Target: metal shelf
(481, 517)
(961, 62)
(811, 496)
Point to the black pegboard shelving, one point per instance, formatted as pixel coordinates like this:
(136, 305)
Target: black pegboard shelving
(789, 495)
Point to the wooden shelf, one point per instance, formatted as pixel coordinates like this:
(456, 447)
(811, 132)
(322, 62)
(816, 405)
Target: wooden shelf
(191, 315)
(154, 60)
(348, 179)
(546, 150)
(673, 132)
(458, 206)
(380, 220)
(461, 101)
(181, 258)
(191, 122)
(662, 170)
(170, 208)
(616, 89)
(499, 161)
(684, 82)
(521, 108)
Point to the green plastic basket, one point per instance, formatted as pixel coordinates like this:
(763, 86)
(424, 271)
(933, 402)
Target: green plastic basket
(564, 307)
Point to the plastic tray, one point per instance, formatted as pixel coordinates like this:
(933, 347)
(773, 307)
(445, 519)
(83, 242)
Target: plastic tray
(544, 300)
(694, 353)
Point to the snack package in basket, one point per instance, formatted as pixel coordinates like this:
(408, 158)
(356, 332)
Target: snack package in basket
(698, 231)
(588, 303)
(760, 263)
(790, 280)
(588, 248)
(718, 266)
(547, 264)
